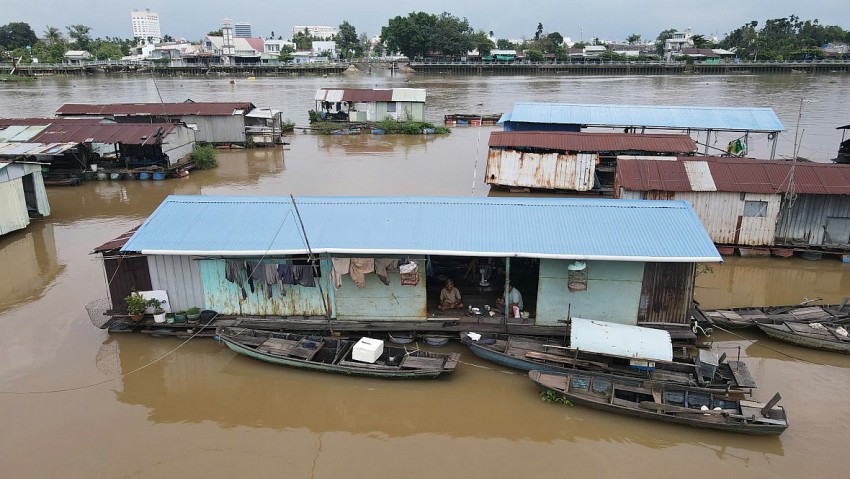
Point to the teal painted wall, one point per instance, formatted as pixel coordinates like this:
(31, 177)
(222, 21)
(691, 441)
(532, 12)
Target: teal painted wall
(226, 297)
(378, 301)
(613, 292)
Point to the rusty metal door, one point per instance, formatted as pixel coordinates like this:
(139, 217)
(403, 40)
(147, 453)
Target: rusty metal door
(667, 293)
(124, 275)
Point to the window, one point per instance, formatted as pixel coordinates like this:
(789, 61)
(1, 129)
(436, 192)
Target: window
(755, 209)
(391, 107)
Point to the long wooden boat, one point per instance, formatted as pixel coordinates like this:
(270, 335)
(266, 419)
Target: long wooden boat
(737, 318)
(667, 402)
(335, 355)
(827, 337)
(551, 355)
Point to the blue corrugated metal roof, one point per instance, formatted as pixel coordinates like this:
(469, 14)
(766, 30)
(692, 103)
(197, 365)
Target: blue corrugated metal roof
(528, 227)
(650, 116)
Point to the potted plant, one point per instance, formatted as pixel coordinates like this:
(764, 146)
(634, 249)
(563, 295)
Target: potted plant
(136, 304)
(192, 314)
(158, 311)
(180, 317)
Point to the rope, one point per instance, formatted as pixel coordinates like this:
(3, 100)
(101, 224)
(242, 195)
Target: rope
(757, 343)
(488, 368)
(77, 388)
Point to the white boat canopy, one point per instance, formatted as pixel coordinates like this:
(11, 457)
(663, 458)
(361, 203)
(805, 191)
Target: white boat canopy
(620, 340)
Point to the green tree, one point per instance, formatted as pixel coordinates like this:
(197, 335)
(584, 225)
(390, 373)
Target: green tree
(303, 40)
(662, 38)
(347, 42)
(286, 53)
(167, 38)
(701, 42)
(505, 44)
(579, 45)
(80, 35)
(534, 55)
(420, 33)
(633, 38)
(53, 35)
(556, 38)
(481, 42)
(539, 31)
(17, 35)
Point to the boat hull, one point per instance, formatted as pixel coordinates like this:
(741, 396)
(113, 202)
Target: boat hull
(372, 371)
(785, 334)
(693, 418)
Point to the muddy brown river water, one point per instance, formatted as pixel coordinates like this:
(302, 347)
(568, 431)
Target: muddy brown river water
(204, 412)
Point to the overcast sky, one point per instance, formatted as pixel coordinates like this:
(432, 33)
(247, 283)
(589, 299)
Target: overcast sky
(606, 19)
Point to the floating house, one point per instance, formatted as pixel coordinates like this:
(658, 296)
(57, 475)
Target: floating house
(386, 258)
(639, 118)
(216, 123)
(571, 161)
(22, 195)
(361, 104)
(747, 202)
(106, 142)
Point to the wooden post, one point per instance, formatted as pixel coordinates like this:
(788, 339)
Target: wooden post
(765, 411)
(506, 293)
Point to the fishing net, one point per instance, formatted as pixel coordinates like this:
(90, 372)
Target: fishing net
(99, 312)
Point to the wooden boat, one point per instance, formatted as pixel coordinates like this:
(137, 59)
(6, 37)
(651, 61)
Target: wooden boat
(667, 402)
(827, 337)
(736, 318)
(71, 181)
(335, 355)
(551, 355)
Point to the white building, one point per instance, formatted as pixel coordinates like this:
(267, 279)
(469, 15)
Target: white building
(319, 48)
(680, 41)
(242, 30)
(316, 31)
(146, 26)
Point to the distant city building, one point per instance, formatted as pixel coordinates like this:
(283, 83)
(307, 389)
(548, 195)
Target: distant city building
(324, 47)
(146, 26)
(242, 30)
(316, 31)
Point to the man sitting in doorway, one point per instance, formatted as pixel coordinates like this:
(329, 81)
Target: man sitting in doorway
(450, 297)
(514, 301)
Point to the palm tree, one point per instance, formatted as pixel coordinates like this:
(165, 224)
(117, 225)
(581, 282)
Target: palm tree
(53, 35)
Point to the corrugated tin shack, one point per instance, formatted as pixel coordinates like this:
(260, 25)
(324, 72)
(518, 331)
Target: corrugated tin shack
(122, 144)
(362, 104)
(213, 122)
(22, 195)
(571, 161)
(741, 121)
(387, 258)
(751, 202)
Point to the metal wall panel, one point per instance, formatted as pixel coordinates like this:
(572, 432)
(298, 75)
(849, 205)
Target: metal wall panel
(378, 301)
(218, 129)
(612, 294)
(13, 214)
(43, 205)
(541, 170)
(178, 144)
(804, 219)
(720, 213)
(227, 298)
(180, 277)
(125, 274)
(667, 294)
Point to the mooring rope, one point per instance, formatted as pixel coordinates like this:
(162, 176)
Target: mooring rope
(758, 343)
(77, 388)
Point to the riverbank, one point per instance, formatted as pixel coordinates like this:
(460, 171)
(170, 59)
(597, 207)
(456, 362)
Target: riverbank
(620, 68)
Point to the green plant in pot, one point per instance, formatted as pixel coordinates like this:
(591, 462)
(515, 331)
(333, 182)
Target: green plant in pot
(193, 314)
(158, 311)
(136, 304)
(180, 317)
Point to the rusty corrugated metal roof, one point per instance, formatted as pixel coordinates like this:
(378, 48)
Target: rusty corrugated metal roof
(592, 142)
(152, 109)
(737, 175)
(125, 133)
(5, 122)
(116, 243)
